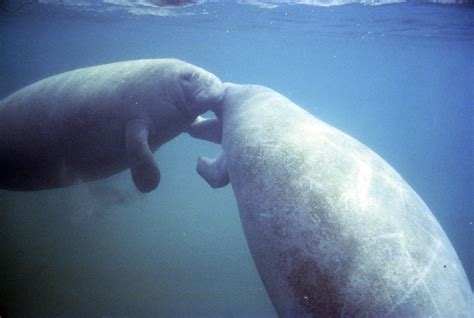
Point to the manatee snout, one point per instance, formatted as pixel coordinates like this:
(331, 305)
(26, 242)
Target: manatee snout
(204, 91)
(214, 91)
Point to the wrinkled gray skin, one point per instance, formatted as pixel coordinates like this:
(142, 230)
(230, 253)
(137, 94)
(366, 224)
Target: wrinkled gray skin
(93, 122)
(333, 229)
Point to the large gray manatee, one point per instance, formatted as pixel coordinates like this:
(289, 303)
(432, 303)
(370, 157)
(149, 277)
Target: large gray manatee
(93, 122)
(333, 228)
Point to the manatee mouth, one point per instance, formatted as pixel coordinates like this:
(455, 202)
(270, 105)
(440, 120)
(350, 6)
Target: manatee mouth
(191, 108)
(197, 94)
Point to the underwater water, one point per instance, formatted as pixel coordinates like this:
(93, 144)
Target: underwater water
(398, 77)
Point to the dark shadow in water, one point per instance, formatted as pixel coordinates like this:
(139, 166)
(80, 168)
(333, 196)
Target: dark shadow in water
(6, 9)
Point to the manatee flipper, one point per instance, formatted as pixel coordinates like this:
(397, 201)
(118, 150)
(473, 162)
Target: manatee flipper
(145, 172)
(214, 171)
(209, 129)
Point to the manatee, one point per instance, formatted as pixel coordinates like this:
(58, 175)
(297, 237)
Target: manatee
(93, 122)
(333, 229)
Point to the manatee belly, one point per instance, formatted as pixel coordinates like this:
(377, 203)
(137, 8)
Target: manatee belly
(58, 151)
(333, 229)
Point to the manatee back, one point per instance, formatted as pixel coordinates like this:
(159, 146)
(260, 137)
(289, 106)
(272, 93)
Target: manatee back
(333, 229)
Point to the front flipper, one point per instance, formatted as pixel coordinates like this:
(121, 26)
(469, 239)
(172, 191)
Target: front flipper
(145, 172)
(214, 171)
(209, 129)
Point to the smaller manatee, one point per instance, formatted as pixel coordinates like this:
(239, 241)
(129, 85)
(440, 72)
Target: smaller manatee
(91, 123)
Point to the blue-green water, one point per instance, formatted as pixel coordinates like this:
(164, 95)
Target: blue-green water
(398, 77)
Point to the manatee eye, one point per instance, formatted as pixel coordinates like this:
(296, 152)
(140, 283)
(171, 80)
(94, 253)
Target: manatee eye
(189, 76)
